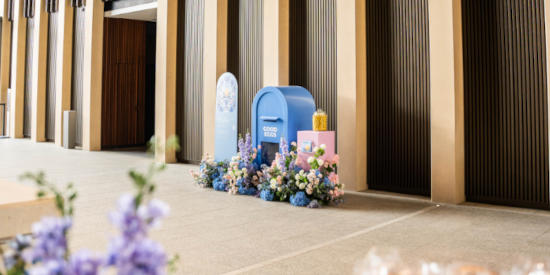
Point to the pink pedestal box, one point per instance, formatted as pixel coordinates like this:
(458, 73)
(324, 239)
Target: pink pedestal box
(313, 139)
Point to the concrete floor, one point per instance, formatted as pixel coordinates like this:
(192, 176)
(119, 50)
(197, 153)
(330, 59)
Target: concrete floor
(214, 232)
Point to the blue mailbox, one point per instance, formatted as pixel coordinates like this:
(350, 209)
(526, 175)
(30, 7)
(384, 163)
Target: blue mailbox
(279, 112)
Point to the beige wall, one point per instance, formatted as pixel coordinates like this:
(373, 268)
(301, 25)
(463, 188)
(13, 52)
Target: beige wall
(276, 42)
(165, 78)
(351, 85)
(446, 101)
(5, 55)
(93, 73)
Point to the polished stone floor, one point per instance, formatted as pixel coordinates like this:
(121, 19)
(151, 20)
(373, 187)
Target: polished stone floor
(216, 233)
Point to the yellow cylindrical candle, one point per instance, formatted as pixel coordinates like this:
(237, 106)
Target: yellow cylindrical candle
(320, 121)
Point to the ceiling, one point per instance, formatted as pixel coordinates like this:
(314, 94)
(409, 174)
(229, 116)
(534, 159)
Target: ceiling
(142, 12)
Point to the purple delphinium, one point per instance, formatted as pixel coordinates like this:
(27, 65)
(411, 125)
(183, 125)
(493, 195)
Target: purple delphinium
(50, 267)
(142, 256)
(50, 240)
(245, 148)
(84, 263)
(283, 147)
(132, 252)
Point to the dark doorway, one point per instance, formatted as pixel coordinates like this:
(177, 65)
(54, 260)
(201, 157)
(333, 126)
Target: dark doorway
(398, 96)
(128, 83)
(505, 102)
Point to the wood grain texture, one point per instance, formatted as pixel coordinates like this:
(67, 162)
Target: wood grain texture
(190, 80)
(124, 83)
(313, 52)
(398, 96)
(505, 100)
(51, 77)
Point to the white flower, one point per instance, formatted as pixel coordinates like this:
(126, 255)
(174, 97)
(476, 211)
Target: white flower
(302, 172)
(297, 177)
(273, 185)
(323, 146)
(320, 162)
(302, 185)
(273, 181)
(310, 160)
(279, 189)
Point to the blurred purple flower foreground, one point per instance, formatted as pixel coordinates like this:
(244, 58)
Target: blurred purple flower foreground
(132, 252)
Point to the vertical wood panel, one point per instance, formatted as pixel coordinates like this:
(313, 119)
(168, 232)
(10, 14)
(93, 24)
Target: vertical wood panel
(506, 125)
(245, 54)
(27, 117)
(51, 77)
(78, 70)
(190, 89)
(398, 99)
(124, 82)
(313, 52)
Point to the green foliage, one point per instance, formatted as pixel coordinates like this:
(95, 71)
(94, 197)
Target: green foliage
(172, 143)
(144, 184)
(172, 264)
(64, 199)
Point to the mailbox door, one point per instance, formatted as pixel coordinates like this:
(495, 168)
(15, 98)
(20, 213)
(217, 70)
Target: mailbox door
(270, 125)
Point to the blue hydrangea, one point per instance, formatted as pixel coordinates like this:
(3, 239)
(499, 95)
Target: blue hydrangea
(250, 191)
(299, 199)
(267, 195)
(219, 184)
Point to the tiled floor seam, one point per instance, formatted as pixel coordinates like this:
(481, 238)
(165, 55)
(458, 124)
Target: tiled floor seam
(327, 243)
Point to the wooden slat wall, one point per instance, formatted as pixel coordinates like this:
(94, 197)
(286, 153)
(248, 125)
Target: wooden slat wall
(398, 97)
(27, 118)
(190, 91)
(124, 83)
(313, 52)
(245, 54)
(78, 73)
(51, 76)
(505, 100)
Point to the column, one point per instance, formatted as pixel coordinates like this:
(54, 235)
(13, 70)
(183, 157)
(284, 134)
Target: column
(276, 45)
(352, 98)
(214, 64)
(5, 63)
(38, 77)
(165, 78)
(93, 72)
(446, 101)
(18, 70)
(64, 65)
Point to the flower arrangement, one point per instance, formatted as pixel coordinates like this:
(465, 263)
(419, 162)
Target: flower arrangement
(284, 180)
(242, 172)
(208, 172)
(131, 252)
